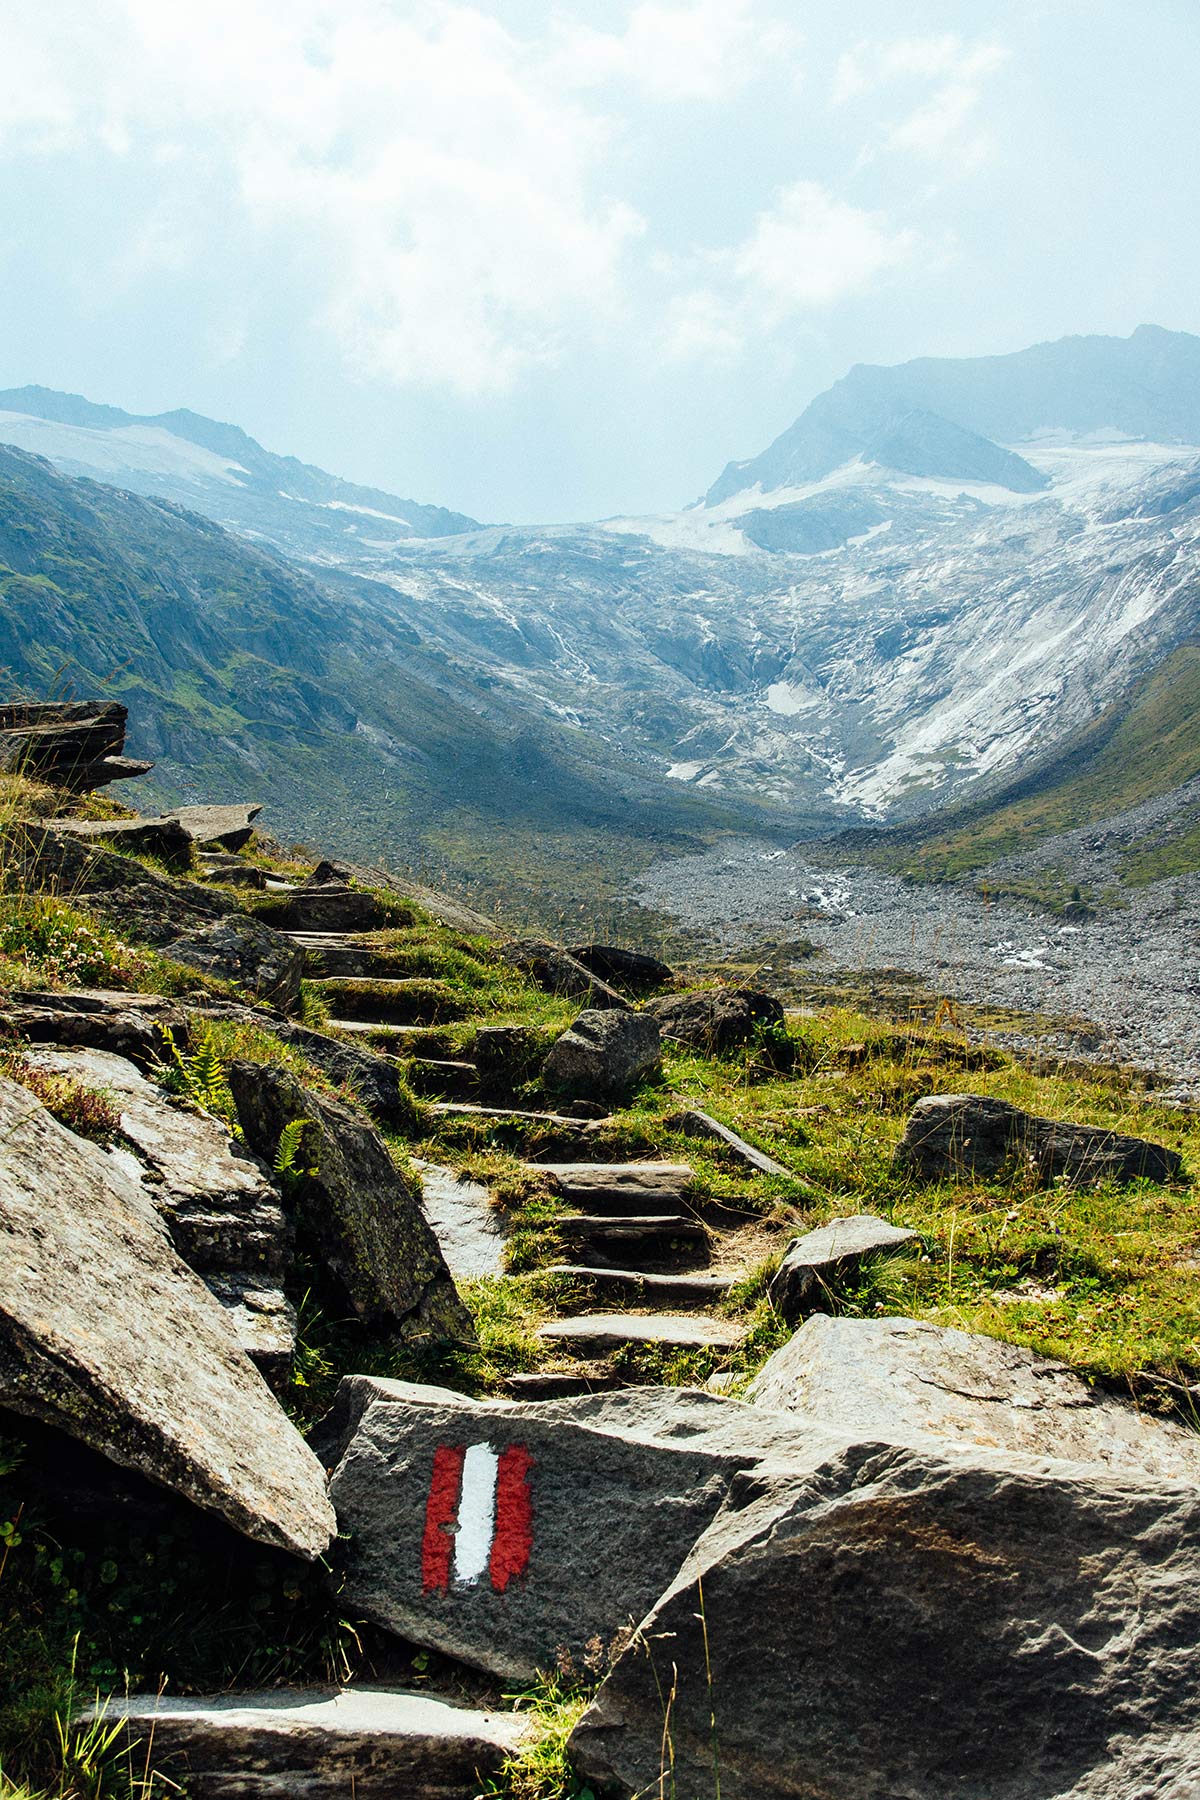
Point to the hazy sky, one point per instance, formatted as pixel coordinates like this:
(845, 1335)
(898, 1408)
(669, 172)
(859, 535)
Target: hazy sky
(543, 261)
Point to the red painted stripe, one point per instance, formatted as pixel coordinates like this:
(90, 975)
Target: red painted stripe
(513, 1541)
(441, 1517)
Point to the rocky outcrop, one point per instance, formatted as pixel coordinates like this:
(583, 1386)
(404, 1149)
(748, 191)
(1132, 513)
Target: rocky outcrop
(714, 1020)
(378, 1081)
(957, 1136)
(242, 950)
(133, 898)
(828, 1254)
(127, 1025)
(72, 744)
(320, 1744)
(504, 1533)
(558, 972)
(217, 827)
(603, 1055)
(354, 1205)
(163, 839)
(225, 1217)
(106, 1334)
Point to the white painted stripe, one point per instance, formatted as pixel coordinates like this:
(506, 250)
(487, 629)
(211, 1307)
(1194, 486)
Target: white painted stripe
(476, 1515)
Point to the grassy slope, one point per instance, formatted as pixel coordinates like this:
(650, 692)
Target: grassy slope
(1139, 749)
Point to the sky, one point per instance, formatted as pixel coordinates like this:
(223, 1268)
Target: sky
(563, 261)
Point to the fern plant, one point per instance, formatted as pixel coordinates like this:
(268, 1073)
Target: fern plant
(199, 1075)
(287, 1165)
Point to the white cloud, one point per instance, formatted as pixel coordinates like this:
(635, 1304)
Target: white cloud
(806, 251)
(952, 72)
(704, 50)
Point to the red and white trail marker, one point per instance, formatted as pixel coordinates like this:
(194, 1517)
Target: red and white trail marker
(478, 1517)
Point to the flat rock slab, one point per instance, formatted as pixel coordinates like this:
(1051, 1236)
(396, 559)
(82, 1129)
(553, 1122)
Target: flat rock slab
(163, 838)
(468, 1227)
(360, 1212)
(467, 1109)
(903, 1381)
(620, 1187)
(218, 827)
(694, 1123)
(320, 1744)
(504, 1532)
(591, 1334)
(956, 1136)
(829, 1252)
(106, 1334)
(643, 1284)
(899, 1624)
(128, 1025)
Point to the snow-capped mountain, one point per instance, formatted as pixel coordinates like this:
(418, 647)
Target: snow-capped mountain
(937, 575)
(216, 470)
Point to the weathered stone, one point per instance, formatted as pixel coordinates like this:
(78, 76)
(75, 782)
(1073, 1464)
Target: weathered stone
(822, 1256)
(558, 972)
(595, 1502)
(468, 1228)
(356, 1206)
(106, 1334)
(603, 1055)
(965, 1135)
(62, 741)
(378, 1081)
(333, 908)
(505, 1056)
(319, 1743)
(128, 1025)
(232, 871)
(643, 1285)
(218, 827)
(904, 1381)
(224, 1216)
(248, 953)
(714, 1020)
(694, 1123)
(623, 968)
(133, 898)
(643, 1187)
(164, 839)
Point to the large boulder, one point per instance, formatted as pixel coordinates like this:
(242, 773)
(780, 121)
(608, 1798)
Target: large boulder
(828, 1254)
(955, 1136)
(507, 1533)
(714, 1020)
(106, 1334)
(559, 973)
(355, 1206)
(603, 1055)
(905, 1381)
(241, 949)
(623, 968)
(899, 1623)
(224, 1215)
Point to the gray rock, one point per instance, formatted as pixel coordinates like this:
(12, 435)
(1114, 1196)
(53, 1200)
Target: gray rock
(903, 1381)
(558, 972)
(107, 1335)
(248, 953)
(598, 1334)
(603, 1055)
(895, 1624)
(218, 827)
(357, 1207)
(964, 1135)
(713, 1020)
(132, 898)
(821, 1256)
(128, 1025)
(568, 1538)
(164, 839)
(468, 1228)
(694, 1123)
(224, 1216)
(378, 1081)
(505, 1056)
(320, 1743)
(623, 968)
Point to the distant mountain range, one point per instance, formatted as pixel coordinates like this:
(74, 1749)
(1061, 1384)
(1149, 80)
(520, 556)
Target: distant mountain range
(218, 470)
(926, 590)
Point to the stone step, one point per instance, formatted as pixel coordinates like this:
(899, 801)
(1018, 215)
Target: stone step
(614, 1239)
(319, 1743)
(561, 1386)
(593, 1334)
(335, 908)
(620, 1188)
(331, 953)
(471, 1110)
(406, 1000)
(430, 1075)
(646, 1285)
